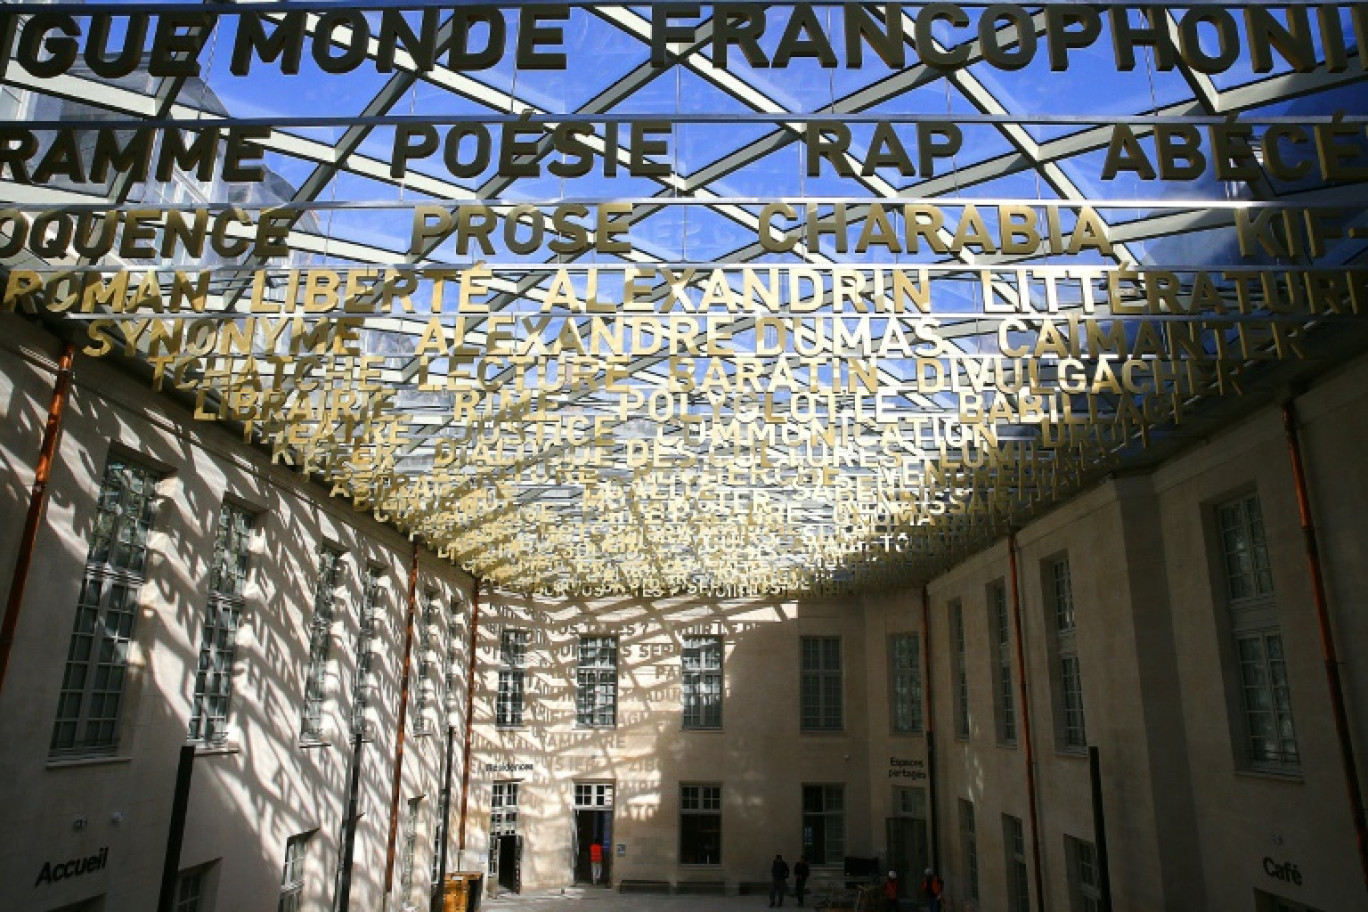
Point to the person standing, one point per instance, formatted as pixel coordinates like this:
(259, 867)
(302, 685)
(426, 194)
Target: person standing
(931, 888)
(596, 861)
(800, 876)
(779, 872)
(891, 891)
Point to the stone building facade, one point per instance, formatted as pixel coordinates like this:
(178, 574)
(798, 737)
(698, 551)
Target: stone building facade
(1166, 619)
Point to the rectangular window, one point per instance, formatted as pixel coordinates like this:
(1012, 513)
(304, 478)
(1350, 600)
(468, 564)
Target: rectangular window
(292, 877)
(370, 619)
(593, 795)
(222, 616)
(508, 707)
(189, 890)
(969, 847)
(503, 820)
(1085, 885)
(1071, 732)
(1267, 699)
(702, 684)
(824, 823)
(1061, 595)
(320, 642)
(596, 681)
(822, 708)
(700, 824)
(1071, 691)
(453, 657)
(1004, 704)
(904, 664)
(1244, 549)
(1018, 882)
(959, 654)
(97, 659)
(410, 846)
(1270, 740)
(430, 620)
(434, 866)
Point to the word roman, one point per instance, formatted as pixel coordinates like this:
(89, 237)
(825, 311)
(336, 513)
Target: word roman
(471, 38)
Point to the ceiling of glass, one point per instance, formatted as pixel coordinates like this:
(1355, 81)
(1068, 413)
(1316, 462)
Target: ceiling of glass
(675, 298)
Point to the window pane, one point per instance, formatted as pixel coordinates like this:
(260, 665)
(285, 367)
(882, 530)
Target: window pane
(820, 687)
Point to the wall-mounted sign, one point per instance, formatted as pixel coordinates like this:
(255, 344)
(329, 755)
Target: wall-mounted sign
(62, 870)
(1282, 870)
(906, 768)
(508, 768)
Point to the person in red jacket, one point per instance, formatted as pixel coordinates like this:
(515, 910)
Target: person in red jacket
(931, 888)
(596, 861)
(891, 891)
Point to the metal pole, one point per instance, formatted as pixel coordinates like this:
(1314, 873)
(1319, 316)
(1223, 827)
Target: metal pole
(1327, 637)
(446, 819)
(930, 733)
(1026, 721)
(1099, 829)
(61, 388)
(469, 710)
(403, 717)
(175, 833)
(349, 826)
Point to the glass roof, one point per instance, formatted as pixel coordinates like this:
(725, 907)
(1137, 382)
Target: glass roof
(667, 298)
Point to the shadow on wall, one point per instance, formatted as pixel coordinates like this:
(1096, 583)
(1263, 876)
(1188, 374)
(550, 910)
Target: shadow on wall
(754, 757)
(262, 786)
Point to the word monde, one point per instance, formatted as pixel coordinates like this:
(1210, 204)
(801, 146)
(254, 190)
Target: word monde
(468, 37)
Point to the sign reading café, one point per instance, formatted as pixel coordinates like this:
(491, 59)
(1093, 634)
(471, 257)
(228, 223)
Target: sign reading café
(720, 299)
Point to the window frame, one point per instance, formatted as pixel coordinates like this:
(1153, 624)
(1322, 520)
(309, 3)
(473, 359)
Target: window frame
(702, 688)
(1085, 889)
(1004, 692)
(212, 688)
(819, 711)
(1066, 670)
(596, 681)
(330, 559)
(95, 672)
(1259, 693)
(959, 658)
(969, 847)
(827, 814)
(368, 620)
(511, 697)
(428, 620)
(292, 887)
(700, 813)
(409, 853)
(1015, 864)
(504, 797)
(906, 696)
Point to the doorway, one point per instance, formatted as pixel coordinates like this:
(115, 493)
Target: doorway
(909, 852)
(593, 826)
(505, 845)
(510, 863)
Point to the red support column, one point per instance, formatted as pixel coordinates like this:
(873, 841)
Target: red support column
(1026, 722)
(1327, 637)
(61, 389)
